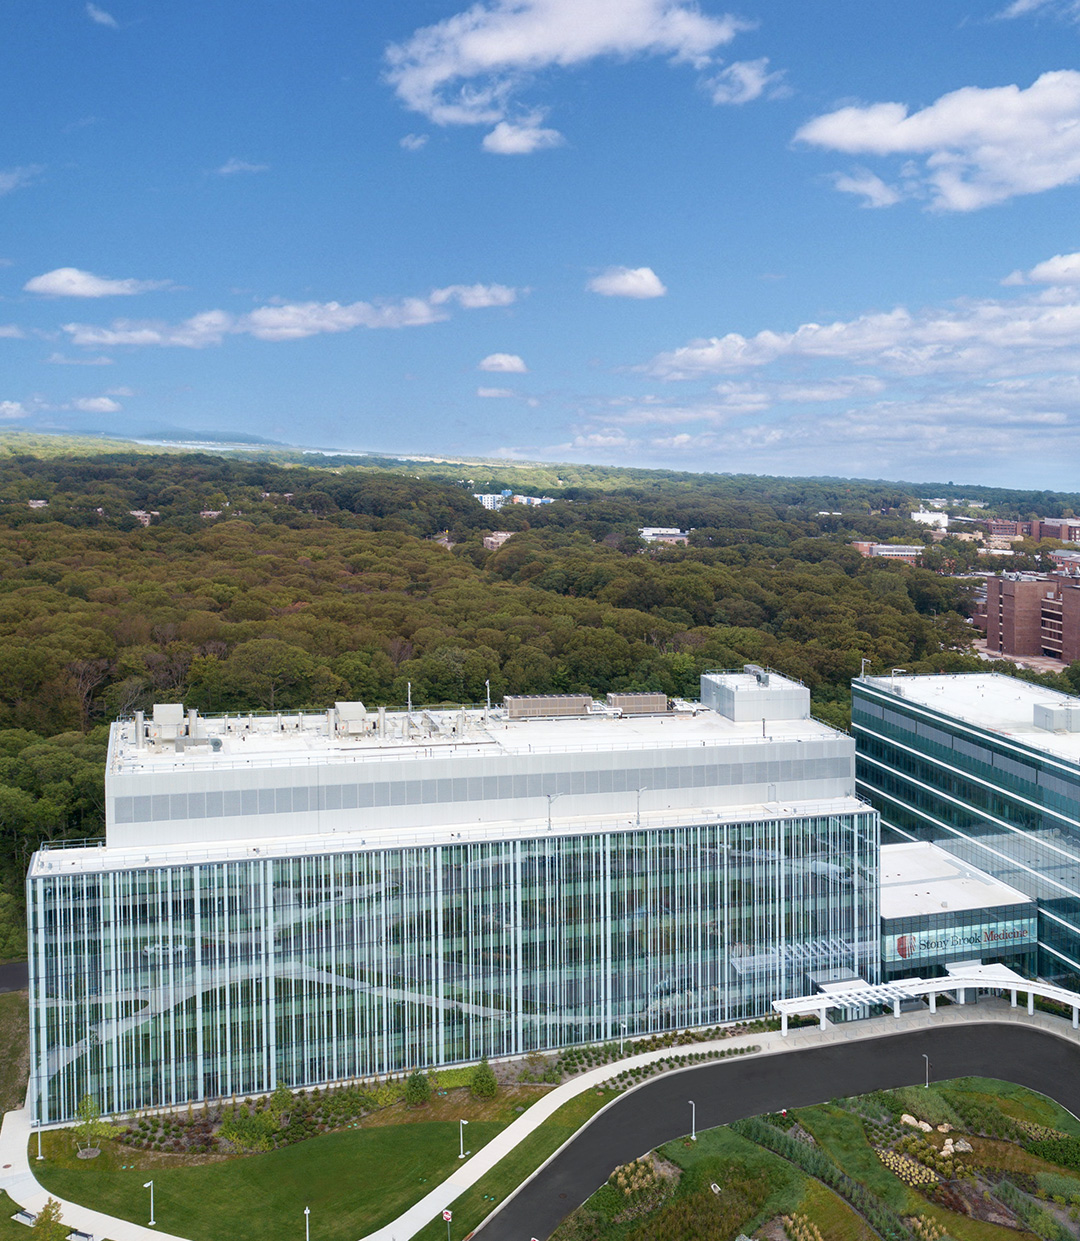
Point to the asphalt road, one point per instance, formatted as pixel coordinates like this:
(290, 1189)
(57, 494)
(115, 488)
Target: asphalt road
(729, 1089)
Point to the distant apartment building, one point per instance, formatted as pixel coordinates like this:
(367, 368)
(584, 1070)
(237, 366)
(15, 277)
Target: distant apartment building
(495, 540)
(909, 553)
(1066, 529)
(663, 534)
(495, 500)
(1033, 614)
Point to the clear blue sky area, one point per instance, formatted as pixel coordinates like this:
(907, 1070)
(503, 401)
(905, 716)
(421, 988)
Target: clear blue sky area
(788, 237)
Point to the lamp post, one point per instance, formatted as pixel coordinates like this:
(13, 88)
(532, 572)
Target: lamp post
(150, 1186)
(307, 1223)
(551, 797)
(38, 1125)
(622, 1036)
(461, 1137)
(927, 1059)
(693, 1121)
(639, 793)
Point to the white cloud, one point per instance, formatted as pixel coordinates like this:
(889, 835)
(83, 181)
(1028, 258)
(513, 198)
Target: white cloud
(12, 409)
(1058, 8)
(504, 364)
(12, 179)
(97, 405)
(1062, 269)
(101, 18)
(467, 69)
(495, 392)
(509, 139)
(71, 282)
(10, 331)
(232, 166)
(292, 320)
(971, 337)
(743, 81)
(874, 191)
(638, 282)
(978, 145)
(413, 142)
(58, 359)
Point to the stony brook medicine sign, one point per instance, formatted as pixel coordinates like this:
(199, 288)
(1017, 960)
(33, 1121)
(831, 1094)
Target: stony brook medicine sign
(987, 939)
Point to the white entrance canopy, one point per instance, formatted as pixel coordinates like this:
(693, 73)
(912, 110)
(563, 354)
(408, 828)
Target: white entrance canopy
(859, 996)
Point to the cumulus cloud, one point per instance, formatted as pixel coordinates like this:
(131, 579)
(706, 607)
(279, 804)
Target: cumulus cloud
(71, 282)
(978, 146)
(413, 142)
(292, 320)
(12, 179)
(969, 337)
(510, 139)
(1062, 269)
(503, 363)
(743, 81)
(12, 409)
(495, 392)
(232, 166)
(638, 282)
(873, 191)
(468, 68)
(10, 331)
(97, 405)
(101, 18)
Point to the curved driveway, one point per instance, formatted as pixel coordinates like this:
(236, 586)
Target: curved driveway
(659, 1111)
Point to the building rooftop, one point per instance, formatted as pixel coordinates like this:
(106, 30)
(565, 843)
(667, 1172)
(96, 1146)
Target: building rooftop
(175, 739)
(919, 878)
(994, 703)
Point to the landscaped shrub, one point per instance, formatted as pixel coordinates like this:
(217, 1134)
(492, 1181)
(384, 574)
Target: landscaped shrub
(1036, 1218)
(417, 1088)
(1064, 1151)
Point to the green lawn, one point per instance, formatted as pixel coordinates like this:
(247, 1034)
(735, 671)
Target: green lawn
(476, 1203)
(353, 1181)
(841, 1134)
(1020, 1103)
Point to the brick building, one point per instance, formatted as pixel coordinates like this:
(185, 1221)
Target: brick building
(1033, 614)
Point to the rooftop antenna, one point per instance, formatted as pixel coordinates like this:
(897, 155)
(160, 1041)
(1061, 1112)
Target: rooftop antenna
(865, 663)
(408, 709)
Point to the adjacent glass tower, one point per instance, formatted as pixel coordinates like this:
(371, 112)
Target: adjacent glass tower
(193, 957)
(987, 767)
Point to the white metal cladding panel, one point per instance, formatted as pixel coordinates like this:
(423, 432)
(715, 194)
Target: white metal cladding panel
(189, 806)
(156, 986)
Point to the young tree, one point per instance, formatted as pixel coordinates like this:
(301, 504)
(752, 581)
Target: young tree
(484, 1084)
(417, 1088)
(48, 1226)
(89, 1128)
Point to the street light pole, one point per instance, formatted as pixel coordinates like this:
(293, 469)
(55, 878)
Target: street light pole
(639, 793)
(150, 1186)
(551, 797)
(693, 1121)
(307, 1223)
(461, 1137)
(927, 1059)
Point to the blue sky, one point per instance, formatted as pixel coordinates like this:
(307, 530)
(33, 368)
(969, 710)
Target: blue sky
(786, 238)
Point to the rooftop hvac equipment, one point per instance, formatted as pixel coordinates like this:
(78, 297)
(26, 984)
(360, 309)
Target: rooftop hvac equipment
(352, 717)
(1057, 717)
(538, 706)
(638, 704)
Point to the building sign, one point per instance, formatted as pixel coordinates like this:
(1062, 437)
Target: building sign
(987, 939)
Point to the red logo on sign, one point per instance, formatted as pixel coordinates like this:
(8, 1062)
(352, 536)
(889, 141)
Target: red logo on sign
(905, 946)
(448, 1216)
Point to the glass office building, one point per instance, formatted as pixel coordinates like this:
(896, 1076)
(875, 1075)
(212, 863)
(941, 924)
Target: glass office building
(368, 894)
(987, 767)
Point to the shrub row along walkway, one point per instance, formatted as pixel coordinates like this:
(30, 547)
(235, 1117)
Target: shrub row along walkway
(747, 1085)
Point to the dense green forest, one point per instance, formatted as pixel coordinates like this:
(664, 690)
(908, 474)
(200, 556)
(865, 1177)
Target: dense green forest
(265, 583)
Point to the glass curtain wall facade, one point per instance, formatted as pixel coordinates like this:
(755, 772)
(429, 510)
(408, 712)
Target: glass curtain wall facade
(159, 985)
(998, 803)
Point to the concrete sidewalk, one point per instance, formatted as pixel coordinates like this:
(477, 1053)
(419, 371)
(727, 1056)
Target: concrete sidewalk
(18, 1180)
(16, 1168)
